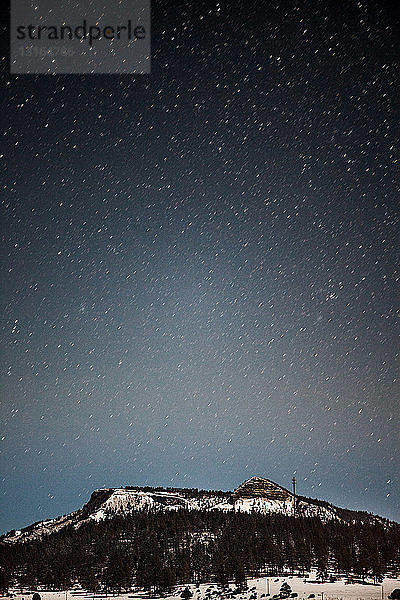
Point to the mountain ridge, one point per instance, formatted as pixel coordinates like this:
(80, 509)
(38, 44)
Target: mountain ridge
(256, 494)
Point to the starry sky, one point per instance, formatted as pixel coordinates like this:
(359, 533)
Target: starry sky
(200, 268)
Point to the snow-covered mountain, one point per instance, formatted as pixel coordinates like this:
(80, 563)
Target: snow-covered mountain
(257, 494)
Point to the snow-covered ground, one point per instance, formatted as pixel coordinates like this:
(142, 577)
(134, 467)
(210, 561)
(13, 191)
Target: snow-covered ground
(331, 591)
(338, 590)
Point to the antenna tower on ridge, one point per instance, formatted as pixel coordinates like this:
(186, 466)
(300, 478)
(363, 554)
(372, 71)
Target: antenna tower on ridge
(294, 495)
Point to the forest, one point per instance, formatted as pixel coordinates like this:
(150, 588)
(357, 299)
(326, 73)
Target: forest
(158, 550)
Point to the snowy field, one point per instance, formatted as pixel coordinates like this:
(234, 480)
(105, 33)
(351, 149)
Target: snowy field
(258, 588)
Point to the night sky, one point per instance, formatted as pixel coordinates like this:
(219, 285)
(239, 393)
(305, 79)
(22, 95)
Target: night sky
(200, 268)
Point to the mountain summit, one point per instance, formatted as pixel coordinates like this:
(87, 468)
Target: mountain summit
(259, 487)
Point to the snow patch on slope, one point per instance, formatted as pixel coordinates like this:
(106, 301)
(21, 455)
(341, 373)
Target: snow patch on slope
(264, 505)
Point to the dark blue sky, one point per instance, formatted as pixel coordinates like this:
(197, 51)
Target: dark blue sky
(199, 265)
